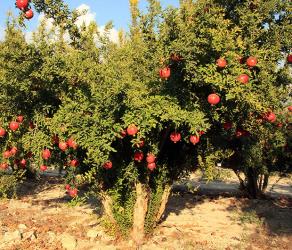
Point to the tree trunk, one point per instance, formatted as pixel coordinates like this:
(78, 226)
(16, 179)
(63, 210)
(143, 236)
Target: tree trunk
(252, 185)
(164, 201)
(140, 210)
(265, 183)
(107, 207)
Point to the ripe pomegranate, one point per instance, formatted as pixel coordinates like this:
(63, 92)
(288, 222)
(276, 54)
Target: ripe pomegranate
(202, 132)
(221, 63)
(46, 154)
(251, 61)
(175, 137)
(71, 143)
(2, 132)
(213, 99)
(67, 187)
(164, 73)
(227, 125)
(289, 58)
(280, 125)
(6, 154)
(43, 168)
(20, 118)
(22, 4)
(74, 163)
(290, 108)
(271, 117)
(63, 146)
(151, 166)
(108, 165)
(150, 158)
(14, 126)
(73, 192)
(31, 125)
(22, 163)
(132, 129)
(3, 165)
(138, 156)
(243, 78)
(13, 151)
(194, 139)
(28, 14)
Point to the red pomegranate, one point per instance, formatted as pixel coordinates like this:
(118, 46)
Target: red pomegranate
(13, 151)
(71, 143)
(14, 126)
(213, 99)
(43, 168)
(67, 187)
(22, 4)
(28, 14)
(164, 73)
(151, 166)
(175, 137)
(2, 132)
(227, 125)
(243, 78)
(271, 117)
(251, 61)
(280, 125)
(20, 118)
(108, 165)
(3, 165)
(150, 158)
(73, 192)
(6, 154)
(138, 156)
(123, 133)
(63, 146)
(202, 132)
(289, 58)
(221, 63)
(22, 163)
(290, 108)
(132, 129)
(46, 154)
(194, 139)
(141, 143)
(74, 163)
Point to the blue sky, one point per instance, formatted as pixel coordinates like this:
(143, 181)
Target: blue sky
(104, 10)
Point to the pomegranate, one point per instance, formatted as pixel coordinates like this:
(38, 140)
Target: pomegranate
(73, 192)
(221, 63)
(2, 132)
(22, 163)
(13, 151)
(271, 117)
(290, 108)
(138, 156)
(43, 168)
(243, 78)
(123, 133)
(6, 154)
(71, 143)
(141, 143)
(3, 165)
(63, 146)
(151, 166)
(28, 14)
(251, 61)
(22, 4)
(164, 73)
(194, 139)
(289, 58)
(108, 165)
(46, 154)
(150, 158)
(20, 118)
(67, 187)
(14, 126)
(175, 137)
(213, 99)
(74, 163)
(132, 129)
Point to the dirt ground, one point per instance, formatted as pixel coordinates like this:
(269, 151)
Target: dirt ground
(41, 219)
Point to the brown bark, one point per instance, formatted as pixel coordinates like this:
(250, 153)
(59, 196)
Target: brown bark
(266, 182)
(140, 210)
(107, 207)
(164, 201)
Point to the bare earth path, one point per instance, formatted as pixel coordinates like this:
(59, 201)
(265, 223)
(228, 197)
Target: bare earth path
(41, 219)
